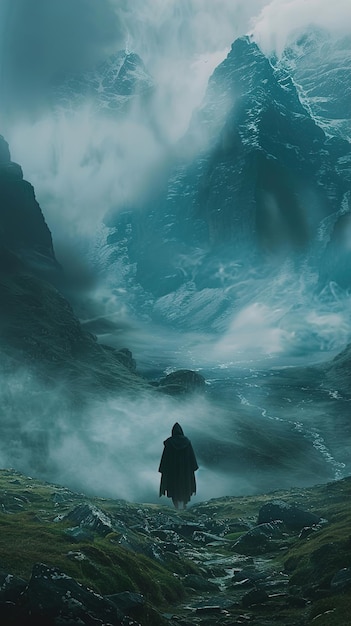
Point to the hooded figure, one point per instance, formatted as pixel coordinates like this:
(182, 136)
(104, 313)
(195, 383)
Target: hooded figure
(177, 466)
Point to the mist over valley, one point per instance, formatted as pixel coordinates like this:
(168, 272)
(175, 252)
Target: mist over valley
(187, 208)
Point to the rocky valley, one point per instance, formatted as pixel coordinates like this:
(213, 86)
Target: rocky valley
(151, 275)
(276, 558)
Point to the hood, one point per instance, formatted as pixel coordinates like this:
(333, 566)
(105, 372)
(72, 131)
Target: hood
(177, 429)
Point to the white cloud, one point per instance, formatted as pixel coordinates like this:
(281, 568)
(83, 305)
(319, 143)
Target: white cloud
(280, 20)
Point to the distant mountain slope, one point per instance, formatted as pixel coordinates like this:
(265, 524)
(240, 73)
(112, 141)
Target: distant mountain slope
(111, 87)
(252, 181)
(23, 229)
(320, 65)
(38, 328)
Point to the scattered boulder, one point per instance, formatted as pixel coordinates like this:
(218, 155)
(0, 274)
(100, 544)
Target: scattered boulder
(203, 537)
(258, 540)
(209, 610)
(11, 587)
(307, 531)
(247, 577)
(89, 516)
(182, 382)
(51, 594)
(341, 580)
(256, 596)
(127, 602)
(185, 529)
(292, 516)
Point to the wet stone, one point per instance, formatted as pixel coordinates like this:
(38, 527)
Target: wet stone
(127, 602)
(51, 594)
(258, 540)
(61, 497)
(10, 587)
(341, 580)
(206, 538)
(208, 610)
(292, 516)
(198, 583)
(256, 596)
(88, 516)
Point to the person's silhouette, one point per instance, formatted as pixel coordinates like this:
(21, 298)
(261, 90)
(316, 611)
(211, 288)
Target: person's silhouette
(178, 466)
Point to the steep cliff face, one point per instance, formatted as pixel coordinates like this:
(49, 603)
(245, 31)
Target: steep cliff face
(252, 180)
(268, 178)
(319, 64)
(23, 229)
(38, 327)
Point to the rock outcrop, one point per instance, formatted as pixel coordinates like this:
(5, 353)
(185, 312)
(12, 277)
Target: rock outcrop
(23, 229)
(38, 328)
(180, 382)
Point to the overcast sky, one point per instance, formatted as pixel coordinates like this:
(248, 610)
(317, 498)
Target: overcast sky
(180, 42)
(81, 164)
(42, 39)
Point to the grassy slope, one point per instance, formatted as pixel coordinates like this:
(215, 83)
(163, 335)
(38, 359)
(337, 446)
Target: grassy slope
(29, 534)
(315, 559)
(38, 328)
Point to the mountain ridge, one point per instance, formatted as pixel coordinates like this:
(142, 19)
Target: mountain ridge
(252, 182)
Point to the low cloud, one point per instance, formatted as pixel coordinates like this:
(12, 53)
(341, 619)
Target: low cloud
(280, 21)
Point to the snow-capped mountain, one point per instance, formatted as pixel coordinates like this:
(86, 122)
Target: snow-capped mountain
(110, 86)
(255, 181)
(319, 65)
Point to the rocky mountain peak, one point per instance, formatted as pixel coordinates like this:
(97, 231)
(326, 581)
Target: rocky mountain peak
(23, 229)
(319, 65)
(259, 177)
(110, 86)
(5, 157)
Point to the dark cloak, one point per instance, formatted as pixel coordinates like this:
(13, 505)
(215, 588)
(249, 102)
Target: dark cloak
(177, 466)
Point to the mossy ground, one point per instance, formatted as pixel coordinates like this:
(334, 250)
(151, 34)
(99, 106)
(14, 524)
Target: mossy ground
(32, 530)
(29, 534)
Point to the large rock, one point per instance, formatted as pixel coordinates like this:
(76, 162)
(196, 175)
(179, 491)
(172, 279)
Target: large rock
(52, 595)
(341, 580)
(259, 539)
(89, 516)
(292, 516)
(182, 381)
(11, 587)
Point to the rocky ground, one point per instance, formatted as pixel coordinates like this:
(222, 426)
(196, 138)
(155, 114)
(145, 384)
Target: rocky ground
(69, 559)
